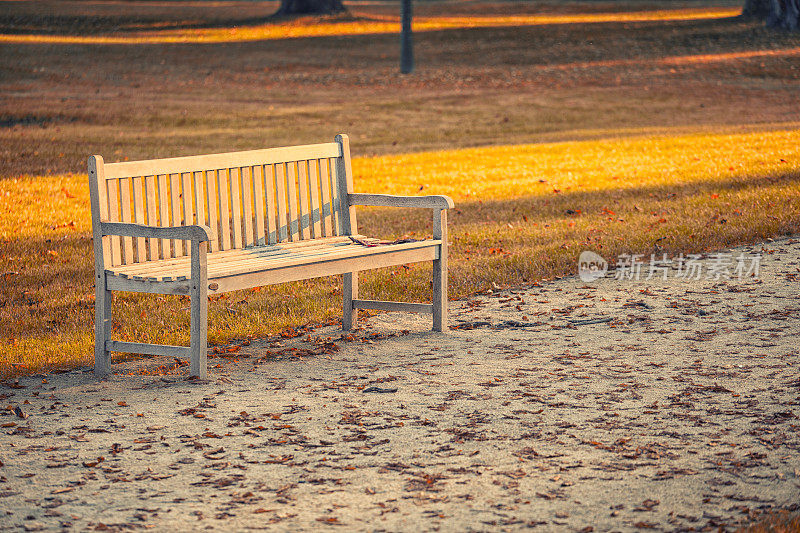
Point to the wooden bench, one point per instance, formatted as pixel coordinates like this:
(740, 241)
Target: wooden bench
(210, 224)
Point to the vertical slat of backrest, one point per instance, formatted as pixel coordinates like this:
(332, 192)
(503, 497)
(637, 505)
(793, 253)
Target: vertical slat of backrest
(247, 206)
(187, 200)
(139, 217)
(303, 211)
(236, 206)
(125, 207)
(163, 213)
(199, 198)
(259, 201)
(291, 193)
(313, 192)
(211, 200)
(151, 204)
(344, 177)
(325, 196)
(114, 216)
(280, 187)
(223, 195)
(271, 201)
(336, 204)
(175, 203)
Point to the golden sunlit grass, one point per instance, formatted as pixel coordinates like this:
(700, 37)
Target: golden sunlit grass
(335, 26)
(523, 213)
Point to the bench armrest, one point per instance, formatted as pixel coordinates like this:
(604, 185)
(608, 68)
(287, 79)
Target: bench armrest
(126, 229)
(388, 200)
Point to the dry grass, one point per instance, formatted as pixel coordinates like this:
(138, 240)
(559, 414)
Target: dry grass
(776, 522)
(685, 130)
(523, 213)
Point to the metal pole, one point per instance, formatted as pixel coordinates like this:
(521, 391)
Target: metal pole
(406, 44)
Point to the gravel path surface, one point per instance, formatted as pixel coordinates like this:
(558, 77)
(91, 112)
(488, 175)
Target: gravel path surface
(614, 405)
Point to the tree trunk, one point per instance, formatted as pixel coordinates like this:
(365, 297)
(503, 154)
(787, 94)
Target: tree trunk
(783, 14)
(311, 7)
(757, 9)
(406, 42)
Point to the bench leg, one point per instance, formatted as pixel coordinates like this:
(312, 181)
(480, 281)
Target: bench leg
(349, 293)
(198, 347)
(440, 272)
(102, 328)
(439, 295)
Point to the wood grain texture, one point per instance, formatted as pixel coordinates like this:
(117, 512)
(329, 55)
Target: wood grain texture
(292, 204)
(388, 200)
(176, 165)
(270, 199)
(125, 208)
(163, 211)
(186, 200)
(213, 209)
(223, 196)
(304, 210)
(344, 176)
(102, 296)
(248, 216)
(148, 349)
(440, 271)
(194, 231)
(177, 212)
(114, 216)
(280, 191)
(325, 189)
(198, 349)
(151, 199)
(336, 201)
(380, 305)
(139, 217)
(236, 207)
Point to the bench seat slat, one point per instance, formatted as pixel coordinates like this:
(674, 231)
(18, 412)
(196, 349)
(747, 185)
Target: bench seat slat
(295, 272)
(282, 273)
(260, 259)
(225, 255)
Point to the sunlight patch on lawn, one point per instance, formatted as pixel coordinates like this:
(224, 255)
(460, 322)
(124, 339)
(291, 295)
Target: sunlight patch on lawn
(316, 27)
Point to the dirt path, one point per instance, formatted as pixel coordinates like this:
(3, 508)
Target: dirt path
(681, 412)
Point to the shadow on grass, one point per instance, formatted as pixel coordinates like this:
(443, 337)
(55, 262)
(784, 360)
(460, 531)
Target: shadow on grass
(55, 24)
(548, 206)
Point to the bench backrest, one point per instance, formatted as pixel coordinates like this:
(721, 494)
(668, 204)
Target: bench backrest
(246, 198)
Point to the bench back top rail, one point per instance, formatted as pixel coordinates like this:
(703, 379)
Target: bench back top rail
(247, 198)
